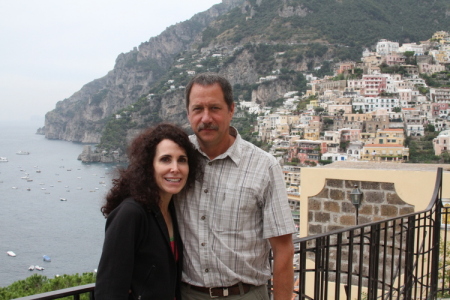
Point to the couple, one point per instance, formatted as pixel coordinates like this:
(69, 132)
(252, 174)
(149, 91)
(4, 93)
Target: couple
(233, 209)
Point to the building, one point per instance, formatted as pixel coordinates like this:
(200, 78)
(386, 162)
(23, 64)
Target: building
(385, 152)
(307, 151)
(374, 84)
(440, 95)
(390, 136)
(442, 142)
(385, 47)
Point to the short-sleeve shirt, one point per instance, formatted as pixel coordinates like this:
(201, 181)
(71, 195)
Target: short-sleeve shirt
(227, 218)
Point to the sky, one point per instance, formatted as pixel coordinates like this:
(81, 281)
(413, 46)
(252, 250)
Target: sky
(50, 48)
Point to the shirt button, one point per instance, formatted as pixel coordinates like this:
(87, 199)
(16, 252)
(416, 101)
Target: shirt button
(210, 164)
(203, 244)
(203, 217)
(206, 270)
(205, 190)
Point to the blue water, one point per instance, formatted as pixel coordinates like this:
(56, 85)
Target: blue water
(36, 222)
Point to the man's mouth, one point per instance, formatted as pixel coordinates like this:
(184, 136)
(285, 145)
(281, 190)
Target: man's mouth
(207, 127)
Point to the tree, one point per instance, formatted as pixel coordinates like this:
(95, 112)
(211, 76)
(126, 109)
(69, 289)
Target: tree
(318, 110)
(430, 128)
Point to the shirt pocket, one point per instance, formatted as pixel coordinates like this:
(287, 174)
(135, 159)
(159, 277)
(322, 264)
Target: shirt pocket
(235, 210)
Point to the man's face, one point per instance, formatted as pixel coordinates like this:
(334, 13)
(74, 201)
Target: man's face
(209, 115)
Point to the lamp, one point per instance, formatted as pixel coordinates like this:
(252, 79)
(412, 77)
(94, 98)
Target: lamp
(356, 196)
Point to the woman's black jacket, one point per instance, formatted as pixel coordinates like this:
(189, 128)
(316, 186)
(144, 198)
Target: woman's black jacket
(137, 256)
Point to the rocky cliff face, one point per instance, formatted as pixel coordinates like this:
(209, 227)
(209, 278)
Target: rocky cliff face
(81, 117)
(243, 40)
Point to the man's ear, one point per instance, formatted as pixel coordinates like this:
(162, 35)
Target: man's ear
(232, 108)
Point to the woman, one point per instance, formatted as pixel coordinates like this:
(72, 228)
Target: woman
(142, 251)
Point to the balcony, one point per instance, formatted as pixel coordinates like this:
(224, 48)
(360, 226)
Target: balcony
(399, 258)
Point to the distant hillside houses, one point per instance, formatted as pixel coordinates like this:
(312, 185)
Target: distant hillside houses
(365, 119)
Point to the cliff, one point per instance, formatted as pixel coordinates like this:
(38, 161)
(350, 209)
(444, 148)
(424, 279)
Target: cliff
(244, 40)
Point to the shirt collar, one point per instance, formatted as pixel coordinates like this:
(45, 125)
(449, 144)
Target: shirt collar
(234, 152)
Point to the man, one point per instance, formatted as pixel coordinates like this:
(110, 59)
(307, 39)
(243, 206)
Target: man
(239, 210)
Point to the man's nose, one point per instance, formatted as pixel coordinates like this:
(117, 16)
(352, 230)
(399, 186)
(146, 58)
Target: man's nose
(206, 117)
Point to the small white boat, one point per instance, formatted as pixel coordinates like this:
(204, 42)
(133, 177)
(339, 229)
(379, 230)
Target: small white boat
(10, 253)
(3, 159)
(62, 199)
(39, 268)
(47, 258)
(22, 152)
(31, 268)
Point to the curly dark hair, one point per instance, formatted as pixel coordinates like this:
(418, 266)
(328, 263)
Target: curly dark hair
(137, 180)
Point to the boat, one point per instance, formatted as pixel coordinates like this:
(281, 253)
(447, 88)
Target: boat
(62, 199)
(10, 253)
(47, 258)
(22, 152)
(39, 268)
(31, 268)
(3, 159)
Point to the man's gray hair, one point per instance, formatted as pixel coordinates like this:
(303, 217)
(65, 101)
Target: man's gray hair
(206, 79)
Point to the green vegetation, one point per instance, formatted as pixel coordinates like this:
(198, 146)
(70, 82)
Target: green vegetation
(421, 149)
(99, 97)
(37, 284)
(441, 79)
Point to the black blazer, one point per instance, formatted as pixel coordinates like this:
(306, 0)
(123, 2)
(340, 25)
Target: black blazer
(137, 255)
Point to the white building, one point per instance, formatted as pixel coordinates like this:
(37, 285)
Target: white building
(412, 47)
(385, 47)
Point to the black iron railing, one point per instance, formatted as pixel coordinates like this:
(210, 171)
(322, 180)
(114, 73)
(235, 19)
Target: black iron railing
(398, 258)
(75, 292)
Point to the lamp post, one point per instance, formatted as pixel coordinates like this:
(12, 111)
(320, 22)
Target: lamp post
(356, 196)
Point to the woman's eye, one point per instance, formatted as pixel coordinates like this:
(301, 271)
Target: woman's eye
(165, 159)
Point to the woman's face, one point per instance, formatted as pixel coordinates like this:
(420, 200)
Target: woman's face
(171, 168)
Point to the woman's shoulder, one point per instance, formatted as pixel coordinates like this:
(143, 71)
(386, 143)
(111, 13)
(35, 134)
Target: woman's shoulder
(128, 207)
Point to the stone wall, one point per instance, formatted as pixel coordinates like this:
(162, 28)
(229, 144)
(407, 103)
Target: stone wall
(332, 209)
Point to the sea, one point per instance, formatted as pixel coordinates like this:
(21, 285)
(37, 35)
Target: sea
(49, 205)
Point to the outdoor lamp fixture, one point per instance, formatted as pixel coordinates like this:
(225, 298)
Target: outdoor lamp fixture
(356, 196)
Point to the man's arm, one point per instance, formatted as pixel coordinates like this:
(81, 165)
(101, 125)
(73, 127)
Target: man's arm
(283, 268)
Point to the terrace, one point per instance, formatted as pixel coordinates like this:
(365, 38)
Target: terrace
(404, 257)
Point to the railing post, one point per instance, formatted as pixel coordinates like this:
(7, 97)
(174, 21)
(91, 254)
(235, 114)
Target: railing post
(409, 257)
(374, 256)
(436, 237)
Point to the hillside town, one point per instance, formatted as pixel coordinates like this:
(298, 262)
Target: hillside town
(367, 118)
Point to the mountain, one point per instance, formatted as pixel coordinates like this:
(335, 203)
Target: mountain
(243, 40)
